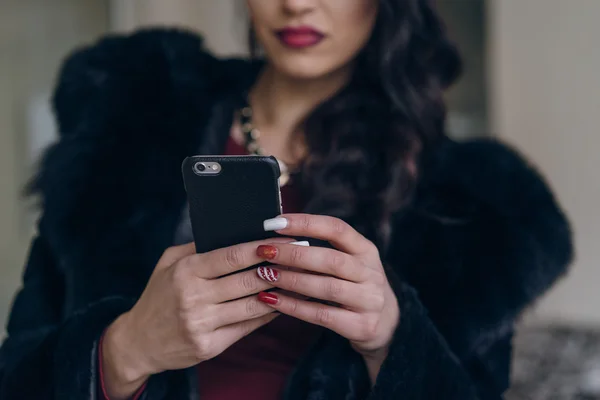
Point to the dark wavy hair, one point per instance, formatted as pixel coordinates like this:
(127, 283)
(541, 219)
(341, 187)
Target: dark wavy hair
(365, 142)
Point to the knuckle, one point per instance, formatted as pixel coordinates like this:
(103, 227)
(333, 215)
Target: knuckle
(191, 261)
(234, 257)
(337, 262)
(247, 282)
(173, 254)
(293, 281)
(184, 264)
(323, 316)
(338, 226)
(185, 304)
(305, 223)
(170, 255)
(369, 329)
(378, 301)
(297, 255)
(179, 277)
(369, 250)
(374, 298)
(379, 278)
(193, 328)
(188, 328)
(205, 325)
(373, 249)
(252, 308)
(203, 347)
(334, 290)
(293, 306)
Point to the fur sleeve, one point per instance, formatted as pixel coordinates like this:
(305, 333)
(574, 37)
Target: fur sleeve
(98, 84)
(484, 238)
(126, 108)
(94, 252)
(506, 239)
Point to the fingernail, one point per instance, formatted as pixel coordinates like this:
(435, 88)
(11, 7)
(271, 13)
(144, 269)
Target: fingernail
(268, 274)
(266, 251)
(275, 224)
(303, 243)
(268, 298)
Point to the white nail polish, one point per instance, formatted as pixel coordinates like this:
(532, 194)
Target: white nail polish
(268, 274)
(303, 243)
(275, 224)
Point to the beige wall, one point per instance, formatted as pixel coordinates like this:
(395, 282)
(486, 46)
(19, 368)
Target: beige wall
(34, 36)
(546, 100)
(223, 21)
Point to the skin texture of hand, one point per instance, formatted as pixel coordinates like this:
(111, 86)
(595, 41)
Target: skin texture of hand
(354, 297)
(194, 307)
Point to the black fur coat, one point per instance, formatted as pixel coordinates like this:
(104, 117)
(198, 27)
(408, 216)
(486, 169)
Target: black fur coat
(481, 240)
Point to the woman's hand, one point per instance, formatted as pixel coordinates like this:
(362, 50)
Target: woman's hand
(189, 312)
(351, 276)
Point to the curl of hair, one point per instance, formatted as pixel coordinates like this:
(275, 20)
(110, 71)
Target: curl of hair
(366, 141)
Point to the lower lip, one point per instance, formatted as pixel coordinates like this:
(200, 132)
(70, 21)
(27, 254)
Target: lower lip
(300, 40)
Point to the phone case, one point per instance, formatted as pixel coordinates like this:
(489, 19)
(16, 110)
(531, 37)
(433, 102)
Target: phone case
(229, 208)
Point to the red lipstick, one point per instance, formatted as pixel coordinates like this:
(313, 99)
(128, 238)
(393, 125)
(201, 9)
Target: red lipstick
(300, 37)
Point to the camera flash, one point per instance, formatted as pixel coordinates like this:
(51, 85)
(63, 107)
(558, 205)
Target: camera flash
(214, 167)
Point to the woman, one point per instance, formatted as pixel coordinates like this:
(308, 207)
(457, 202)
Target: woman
(436, 247)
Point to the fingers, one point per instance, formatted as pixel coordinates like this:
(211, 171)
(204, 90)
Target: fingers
(240, 310)
(230, 334)
(236, 286)
(337, 319)
(316, 259)
(326, 288)
(227, 260)
(337, 232)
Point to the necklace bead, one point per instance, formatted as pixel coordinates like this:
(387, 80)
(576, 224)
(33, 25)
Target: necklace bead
(251, 136)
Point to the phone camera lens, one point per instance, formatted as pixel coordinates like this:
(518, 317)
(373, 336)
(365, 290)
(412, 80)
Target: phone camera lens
(199, 167)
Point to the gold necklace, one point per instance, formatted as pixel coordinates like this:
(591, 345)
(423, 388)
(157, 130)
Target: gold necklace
(251, 136)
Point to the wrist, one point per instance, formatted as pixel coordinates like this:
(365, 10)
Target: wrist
(373, 361)
(123, 363)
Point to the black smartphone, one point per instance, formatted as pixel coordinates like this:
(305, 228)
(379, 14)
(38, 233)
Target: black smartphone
(230, 197)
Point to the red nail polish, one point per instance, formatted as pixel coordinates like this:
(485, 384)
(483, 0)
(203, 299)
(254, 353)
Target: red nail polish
(268, 298)
(267, 252)
(268, 274)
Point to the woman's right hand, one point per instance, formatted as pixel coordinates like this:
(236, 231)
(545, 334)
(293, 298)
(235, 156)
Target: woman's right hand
(193, 308)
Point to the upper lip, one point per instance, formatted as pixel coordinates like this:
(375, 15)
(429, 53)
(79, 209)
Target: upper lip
(300, 30)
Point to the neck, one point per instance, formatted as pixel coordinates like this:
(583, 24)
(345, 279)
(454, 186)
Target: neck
(281, 103)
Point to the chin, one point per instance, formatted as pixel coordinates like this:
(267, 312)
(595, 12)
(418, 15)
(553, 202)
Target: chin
(305, 67)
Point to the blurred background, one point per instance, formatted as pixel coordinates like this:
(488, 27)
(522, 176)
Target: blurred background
(531, 79)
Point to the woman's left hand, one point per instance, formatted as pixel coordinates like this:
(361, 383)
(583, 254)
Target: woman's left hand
(351, 276)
